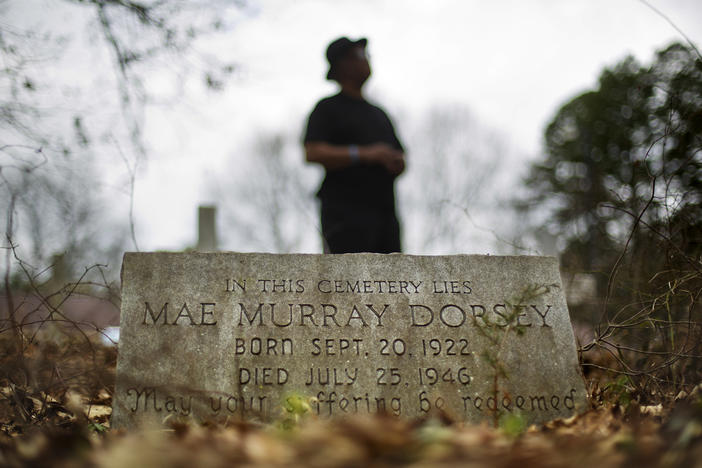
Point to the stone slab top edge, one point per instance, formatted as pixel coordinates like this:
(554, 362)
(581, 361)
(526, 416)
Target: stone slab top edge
(359, 254)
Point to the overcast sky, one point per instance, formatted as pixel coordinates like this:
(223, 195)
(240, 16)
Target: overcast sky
(512, 63)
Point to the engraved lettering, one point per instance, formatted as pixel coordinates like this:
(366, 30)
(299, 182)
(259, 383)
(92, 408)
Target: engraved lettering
(263, 376)
(233, 284)
(569, 401)
(290, 317)
(344, 404)
(219, 404)
(378, 315)
(478, 311)
(149, 312)
(538, 402)
(143, 395)
(344, 346)
(423, 319)
(244, 313)
(507, 403)
(331, 376)
(329, 315)
(186, 314)
(204, 312)
(543, 316)
(255, 346)
(304, 315)
(356, 315)
(452, 316)
(555, 402)
(326, 403)
(496, 309)
(172, 407)
(521, 314)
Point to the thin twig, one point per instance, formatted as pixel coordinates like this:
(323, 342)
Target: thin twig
(675, 26)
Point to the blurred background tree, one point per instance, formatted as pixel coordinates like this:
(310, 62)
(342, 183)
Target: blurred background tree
(621, 184)
(267, 198)
(72, 113)
(77, 78)
(454, 193)
(622, 163)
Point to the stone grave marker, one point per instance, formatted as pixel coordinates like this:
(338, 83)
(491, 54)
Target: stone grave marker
(220, 336)
(206, 229)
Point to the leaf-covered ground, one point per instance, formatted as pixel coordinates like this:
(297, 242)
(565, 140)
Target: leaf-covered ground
(63, 420)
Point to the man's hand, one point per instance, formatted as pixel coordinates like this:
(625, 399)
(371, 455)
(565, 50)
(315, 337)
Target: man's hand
(385, 155)
(334, 157)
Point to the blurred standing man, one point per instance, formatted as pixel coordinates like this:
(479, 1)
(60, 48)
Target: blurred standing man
(356, 143)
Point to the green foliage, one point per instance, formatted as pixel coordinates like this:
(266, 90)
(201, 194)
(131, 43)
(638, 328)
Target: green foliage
(513, 424)
(627, 149)
(295, 407)
(621, 390)
(621, 183)
(97, 428)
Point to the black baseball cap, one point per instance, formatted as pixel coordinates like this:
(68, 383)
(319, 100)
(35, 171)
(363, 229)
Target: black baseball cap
(338, 48)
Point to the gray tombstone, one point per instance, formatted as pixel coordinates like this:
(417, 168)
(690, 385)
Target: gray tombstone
(206, 229)
(221, 336)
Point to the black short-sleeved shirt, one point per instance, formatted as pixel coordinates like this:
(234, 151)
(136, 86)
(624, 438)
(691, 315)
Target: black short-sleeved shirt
(345, 120)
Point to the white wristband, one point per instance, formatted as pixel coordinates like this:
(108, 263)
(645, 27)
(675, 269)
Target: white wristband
(354, 155)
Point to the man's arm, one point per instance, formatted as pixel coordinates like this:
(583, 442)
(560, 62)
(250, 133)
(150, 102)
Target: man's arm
(338, 157)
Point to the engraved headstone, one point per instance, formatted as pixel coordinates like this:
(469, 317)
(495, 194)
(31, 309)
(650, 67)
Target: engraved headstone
(206, 229)
(220, 336)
